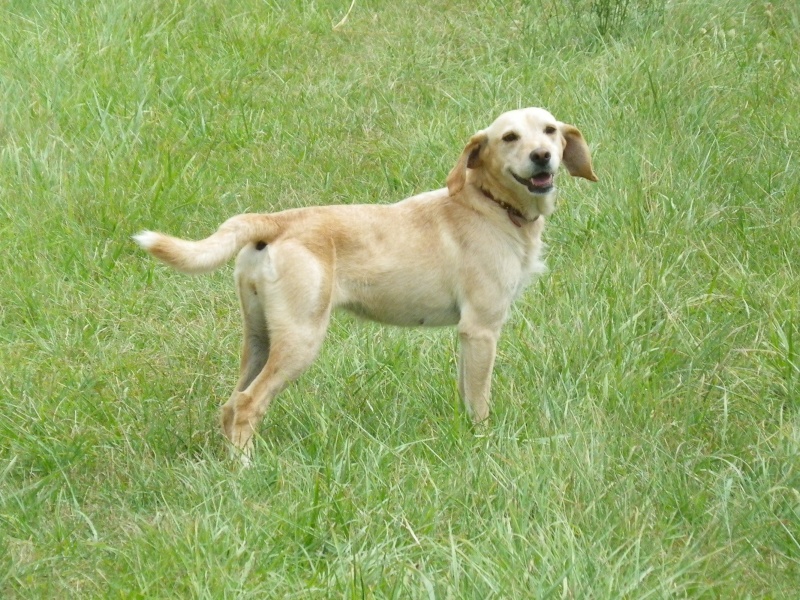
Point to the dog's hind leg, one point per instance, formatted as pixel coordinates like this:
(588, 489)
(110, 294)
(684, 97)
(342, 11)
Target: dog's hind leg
(294, 301)
(255, 345)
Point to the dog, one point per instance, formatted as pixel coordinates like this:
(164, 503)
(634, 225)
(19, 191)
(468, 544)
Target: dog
(456, 256)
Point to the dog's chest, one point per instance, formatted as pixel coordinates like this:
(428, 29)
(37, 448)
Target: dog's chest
(531, 263)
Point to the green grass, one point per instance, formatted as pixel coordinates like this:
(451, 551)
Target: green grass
(645, 434)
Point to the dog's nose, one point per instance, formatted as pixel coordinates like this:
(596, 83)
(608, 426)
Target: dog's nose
(540, 156)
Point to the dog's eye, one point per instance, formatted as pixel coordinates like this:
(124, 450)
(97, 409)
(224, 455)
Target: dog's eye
(510, 137)
(549, 130)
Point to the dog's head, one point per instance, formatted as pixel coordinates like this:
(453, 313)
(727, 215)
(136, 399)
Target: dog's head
(518, 156)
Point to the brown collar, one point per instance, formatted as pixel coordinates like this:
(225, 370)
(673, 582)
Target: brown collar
(516, 217)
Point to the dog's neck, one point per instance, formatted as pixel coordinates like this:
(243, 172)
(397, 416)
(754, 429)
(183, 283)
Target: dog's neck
(514, 214)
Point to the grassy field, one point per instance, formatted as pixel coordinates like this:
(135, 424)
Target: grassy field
(645, 434)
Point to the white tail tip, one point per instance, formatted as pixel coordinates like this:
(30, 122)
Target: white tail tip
(146, 239)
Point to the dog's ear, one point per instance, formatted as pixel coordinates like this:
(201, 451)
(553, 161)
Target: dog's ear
(470, 159)
(576, 155)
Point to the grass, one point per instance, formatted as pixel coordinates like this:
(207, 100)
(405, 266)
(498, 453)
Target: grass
(646, 424)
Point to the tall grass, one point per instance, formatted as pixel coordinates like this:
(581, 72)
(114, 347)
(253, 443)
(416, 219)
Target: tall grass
(645, 431)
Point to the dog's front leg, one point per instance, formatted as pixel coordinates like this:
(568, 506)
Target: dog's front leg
(478, 347)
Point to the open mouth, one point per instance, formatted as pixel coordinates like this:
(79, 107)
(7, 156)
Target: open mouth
(541, 183)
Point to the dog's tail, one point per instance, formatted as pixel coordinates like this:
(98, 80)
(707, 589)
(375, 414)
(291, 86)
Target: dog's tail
(214, 251)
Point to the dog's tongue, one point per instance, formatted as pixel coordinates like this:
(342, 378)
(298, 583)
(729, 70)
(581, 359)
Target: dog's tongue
(542, 180)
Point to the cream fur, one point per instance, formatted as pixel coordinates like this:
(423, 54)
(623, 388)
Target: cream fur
(455, 256)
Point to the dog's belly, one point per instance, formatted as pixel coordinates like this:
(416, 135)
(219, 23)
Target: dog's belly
(405, 316)
(406, 308)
